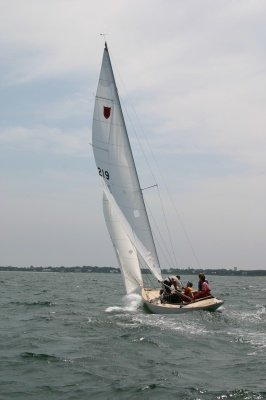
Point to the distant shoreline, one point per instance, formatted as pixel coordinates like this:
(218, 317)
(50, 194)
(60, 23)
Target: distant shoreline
(111, 270)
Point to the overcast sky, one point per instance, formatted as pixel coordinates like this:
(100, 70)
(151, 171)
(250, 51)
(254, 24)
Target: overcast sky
(192, 77)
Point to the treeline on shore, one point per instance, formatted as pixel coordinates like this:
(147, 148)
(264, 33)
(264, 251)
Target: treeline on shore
(112, 270)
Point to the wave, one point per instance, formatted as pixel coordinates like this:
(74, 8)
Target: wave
(248, 317)
(131, 304)
(34, 303)
(39, 356)
(184, 325)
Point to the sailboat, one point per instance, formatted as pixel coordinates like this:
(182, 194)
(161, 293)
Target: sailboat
(123, 203)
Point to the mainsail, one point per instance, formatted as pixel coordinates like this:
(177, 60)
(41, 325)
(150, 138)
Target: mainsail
(124, 208)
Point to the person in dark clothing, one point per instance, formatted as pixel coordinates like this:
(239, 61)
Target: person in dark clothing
(172, 280)
(176, 296)
(201, 275)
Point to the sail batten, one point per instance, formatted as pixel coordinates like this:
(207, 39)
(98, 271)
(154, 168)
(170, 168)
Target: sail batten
(123, 199)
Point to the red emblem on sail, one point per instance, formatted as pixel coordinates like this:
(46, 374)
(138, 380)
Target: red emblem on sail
(106, 112)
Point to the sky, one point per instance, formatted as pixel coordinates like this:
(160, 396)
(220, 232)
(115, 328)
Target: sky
(192, 79)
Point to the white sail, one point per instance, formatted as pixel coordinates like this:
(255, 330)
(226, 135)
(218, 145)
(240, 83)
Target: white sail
(124, 209)
(124, 249)
(129, 234)
(114, 160)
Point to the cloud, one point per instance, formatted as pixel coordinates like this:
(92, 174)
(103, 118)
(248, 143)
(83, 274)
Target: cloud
(40, 139)
(195, 72)
(55, 37)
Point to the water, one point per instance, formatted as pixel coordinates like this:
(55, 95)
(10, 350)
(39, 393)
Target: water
(74, 336)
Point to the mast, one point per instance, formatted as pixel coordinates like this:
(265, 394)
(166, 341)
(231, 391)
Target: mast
(116, 166)
(129, 145)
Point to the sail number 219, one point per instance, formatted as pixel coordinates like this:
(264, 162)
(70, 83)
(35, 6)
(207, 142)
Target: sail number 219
(103, 173)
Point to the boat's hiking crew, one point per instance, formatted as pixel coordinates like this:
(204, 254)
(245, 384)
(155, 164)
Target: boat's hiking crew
(171, 281)
(204, 288)
(175, 297)
(188, 289)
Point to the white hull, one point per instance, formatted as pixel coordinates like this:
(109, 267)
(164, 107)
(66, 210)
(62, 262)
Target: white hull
(152, 301)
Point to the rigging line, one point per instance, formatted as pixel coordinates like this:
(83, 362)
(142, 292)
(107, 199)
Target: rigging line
(160, 241)
(130, 119)
(148, 277)
(139, 140)
(170, 199)
(163, 248)
(168, 229)
(172, 262)
(173, 205)
(149, 187)
(151, 282)
(151, 171)
(185, 231)
(158, 169)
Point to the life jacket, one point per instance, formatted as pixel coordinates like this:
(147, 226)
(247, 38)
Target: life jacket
(206, 287)
(187, 291)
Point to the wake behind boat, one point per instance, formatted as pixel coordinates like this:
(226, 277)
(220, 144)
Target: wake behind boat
(123, 204)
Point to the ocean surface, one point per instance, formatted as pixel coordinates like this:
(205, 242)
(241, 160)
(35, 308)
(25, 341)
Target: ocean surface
(75, 336)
